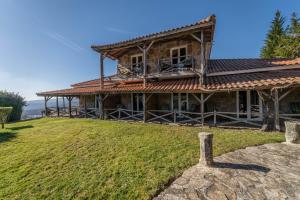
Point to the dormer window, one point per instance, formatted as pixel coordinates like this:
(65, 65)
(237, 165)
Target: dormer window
(137, 63)
(178, 55)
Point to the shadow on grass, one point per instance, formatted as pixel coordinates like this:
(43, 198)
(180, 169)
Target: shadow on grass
(20, 127)
(7, 136)
(252, 167)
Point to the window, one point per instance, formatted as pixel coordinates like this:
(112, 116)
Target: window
(178, 55)
(137, 64)
(136, 61)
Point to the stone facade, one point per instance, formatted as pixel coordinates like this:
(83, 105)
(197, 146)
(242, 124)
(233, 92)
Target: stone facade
(162, 51)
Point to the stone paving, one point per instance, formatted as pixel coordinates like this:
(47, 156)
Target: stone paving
(270, 171)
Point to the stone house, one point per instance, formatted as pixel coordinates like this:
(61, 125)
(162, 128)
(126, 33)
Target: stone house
(169, 77)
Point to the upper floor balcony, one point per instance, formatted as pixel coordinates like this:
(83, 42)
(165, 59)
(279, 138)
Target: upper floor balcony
(175, 66)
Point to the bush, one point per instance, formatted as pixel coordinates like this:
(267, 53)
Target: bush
(14, 100)
(4, 113)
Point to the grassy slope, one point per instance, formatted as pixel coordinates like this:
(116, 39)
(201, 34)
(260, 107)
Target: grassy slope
(82, 158)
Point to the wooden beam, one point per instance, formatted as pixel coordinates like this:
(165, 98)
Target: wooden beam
(57, 106)
(70, 105)
(172, 102)
(237, 98)
(101, 106)
(276, 109)
(145, 108)
(248, 105)
(85, 108)
(196, 38)
(285, 94)
(187, 102)
(148, 97)
(202, 109)
(46, 113)
(101, 70)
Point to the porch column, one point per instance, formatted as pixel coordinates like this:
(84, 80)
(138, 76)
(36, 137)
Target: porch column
(172, 102)
(57, 106)
(248, 105)
(237, 104)
(145, 49)
(276, 110)
(202, 109)
(101, 70)
(145, 108)
(101, 106)
(46, 100)
(70, 105)
(85, 108)
(131, 102)
(202, 56)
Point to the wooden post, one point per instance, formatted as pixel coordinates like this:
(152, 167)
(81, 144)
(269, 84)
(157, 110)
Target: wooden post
(260, 107)
(145, 65)
(46, 100)
(187, 102)
(276, 109)
(101, 106)
(57, 106)
(101, 70)
(202, 56)
(248, 105)
(145, 108)
(202, 109)
(172, 102)
(215, 118)
(85, 108)
(137, 102)
(179, 103)
(70, 105)
(131, 100)
(237, 104)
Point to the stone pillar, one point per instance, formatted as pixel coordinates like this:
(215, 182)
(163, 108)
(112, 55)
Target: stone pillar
(206, 148)
(292, 132)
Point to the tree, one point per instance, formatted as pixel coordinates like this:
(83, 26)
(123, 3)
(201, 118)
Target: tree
(289, 46)
(274, 37)
(14, 100)
(4, 113)
(294, 28)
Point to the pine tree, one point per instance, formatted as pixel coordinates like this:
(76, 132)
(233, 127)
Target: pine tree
(289, 46)
(274, 37)
(294, 28)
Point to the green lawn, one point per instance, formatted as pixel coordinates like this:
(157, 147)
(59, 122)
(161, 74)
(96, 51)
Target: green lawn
(92, 159)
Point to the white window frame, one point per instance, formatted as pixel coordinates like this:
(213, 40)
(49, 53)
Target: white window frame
(135, 56)
(178, 50)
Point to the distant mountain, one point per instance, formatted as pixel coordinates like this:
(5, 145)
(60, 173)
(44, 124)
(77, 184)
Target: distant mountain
(33, 109)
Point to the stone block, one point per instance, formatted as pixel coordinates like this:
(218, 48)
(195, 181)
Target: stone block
(206, 148)
(292, 132)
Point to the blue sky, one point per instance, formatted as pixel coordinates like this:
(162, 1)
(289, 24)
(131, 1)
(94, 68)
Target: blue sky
(45, 45)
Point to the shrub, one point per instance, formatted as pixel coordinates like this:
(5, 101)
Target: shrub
(14, 100)
(4, 113)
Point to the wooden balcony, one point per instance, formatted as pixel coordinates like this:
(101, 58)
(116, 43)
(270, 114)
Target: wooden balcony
(164, 68)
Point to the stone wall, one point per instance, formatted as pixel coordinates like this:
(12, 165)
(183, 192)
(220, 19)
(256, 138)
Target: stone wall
(287, 105)
(162, 51)
(223, 102)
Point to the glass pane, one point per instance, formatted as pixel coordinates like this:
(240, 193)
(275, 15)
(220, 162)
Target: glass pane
(133, 59)
(140, 59)
(182, 51)
(175, 61)
(175, 53)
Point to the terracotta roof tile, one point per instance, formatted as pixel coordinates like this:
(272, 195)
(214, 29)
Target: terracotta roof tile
(225, 65)
(207, 20)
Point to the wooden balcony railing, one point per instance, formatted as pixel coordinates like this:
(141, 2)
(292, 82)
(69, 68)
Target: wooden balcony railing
(165, 65)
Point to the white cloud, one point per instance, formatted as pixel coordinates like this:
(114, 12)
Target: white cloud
(64, 41)
(26, 87)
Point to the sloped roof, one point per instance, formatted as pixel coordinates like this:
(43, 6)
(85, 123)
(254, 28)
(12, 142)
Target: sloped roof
(263, 80)
(208, 21)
